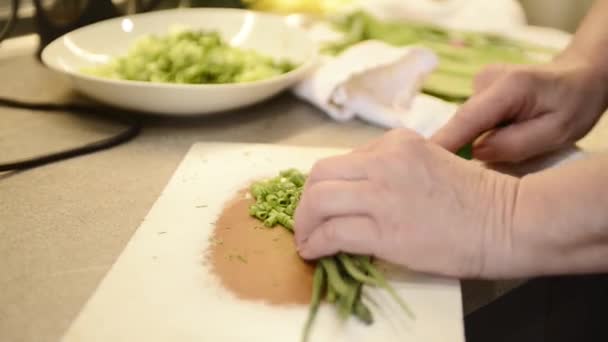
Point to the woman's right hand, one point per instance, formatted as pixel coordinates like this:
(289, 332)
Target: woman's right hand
(519, 112)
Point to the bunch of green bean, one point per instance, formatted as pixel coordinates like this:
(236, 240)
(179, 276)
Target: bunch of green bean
(338, 279)
(462, 54)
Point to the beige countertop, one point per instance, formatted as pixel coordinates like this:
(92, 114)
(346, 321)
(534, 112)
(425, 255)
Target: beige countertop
(63, 225)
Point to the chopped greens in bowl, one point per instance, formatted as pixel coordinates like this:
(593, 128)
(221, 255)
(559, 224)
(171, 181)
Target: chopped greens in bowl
(190, 57)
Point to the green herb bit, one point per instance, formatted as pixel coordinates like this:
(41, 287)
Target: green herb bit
(242, 258)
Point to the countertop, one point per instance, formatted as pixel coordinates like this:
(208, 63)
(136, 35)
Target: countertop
(63, 225)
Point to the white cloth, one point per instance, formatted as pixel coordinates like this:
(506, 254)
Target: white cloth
(378, 83)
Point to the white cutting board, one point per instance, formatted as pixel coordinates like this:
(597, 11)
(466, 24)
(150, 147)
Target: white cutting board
(160, 290)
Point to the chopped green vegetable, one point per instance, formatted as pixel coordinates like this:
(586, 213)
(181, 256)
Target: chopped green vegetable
(190, 57)
(339, 278)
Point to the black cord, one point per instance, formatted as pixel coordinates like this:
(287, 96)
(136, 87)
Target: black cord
(12, 20)
(133, 129)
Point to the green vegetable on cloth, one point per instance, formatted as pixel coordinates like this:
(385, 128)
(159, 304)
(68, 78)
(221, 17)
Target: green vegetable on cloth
(461, 54)
(190, 57)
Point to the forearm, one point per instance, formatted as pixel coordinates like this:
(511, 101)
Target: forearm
(591, 38)
(560, 221)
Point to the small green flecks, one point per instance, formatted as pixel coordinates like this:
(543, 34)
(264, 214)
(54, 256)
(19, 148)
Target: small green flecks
(233, 257)
(215, 241)
(242, 259)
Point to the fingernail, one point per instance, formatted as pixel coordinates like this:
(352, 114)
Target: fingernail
(304, 252)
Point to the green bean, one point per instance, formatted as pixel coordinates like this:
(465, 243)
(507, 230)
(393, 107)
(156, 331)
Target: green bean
(334, 279)
(271, 221)
(331, 296)
(262, 215)
(363, 313)
(374, 272)
(353, 271)
(347, 303)
(272, 199)
(319, 283)
(285, 220)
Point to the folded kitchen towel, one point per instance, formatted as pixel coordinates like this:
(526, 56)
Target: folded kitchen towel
(378, 83)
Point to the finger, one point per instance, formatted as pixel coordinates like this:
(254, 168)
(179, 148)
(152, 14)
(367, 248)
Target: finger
(488, 76)
(520, 141)
(328, 199)
(350, 234)
(351, 166)
(482, 112)
(369, 146)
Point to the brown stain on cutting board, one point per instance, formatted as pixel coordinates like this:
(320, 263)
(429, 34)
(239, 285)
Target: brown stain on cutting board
(255, 262)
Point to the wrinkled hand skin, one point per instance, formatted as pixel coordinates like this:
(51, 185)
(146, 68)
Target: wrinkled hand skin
(546, 107)
(408, 201)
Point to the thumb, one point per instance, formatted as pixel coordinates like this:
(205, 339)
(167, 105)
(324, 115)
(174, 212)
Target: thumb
(350, 234)
(520, 141)
(488, 76)
(481, 113)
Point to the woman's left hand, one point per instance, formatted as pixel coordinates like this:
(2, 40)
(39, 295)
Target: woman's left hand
(410, 202)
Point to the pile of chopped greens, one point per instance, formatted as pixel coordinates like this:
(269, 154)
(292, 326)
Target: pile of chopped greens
(338, 279)
(190, 57)
(461, 54)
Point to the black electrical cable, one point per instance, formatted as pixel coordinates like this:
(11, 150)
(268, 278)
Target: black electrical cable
(133, 129)
(133, 126)
(12, 20)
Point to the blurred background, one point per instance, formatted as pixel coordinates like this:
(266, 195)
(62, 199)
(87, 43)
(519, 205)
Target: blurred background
(561, 14)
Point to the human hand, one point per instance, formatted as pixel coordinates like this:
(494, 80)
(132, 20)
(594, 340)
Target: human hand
(410, 202)
(545, 108)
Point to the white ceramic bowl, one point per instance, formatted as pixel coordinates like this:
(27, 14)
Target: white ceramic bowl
(97, 43)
